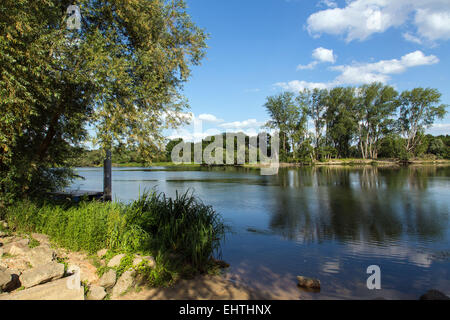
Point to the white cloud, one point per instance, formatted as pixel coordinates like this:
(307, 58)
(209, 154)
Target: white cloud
(360, 73)
(209, 118)
(319, 55)
(439, 129)
(433, 25)
(324, 55)
(239, 125)
(380, 71)
(359, 19)
(297, 85)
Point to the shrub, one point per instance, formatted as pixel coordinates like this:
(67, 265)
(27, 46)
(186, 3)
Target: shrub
(182, 228)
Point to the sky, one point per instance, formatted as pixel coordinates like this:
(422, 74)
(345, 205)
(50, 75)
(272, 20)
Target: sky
(259, 48)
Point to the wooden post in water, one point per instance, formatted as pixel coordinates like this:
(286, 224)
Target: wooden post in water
(107, 177)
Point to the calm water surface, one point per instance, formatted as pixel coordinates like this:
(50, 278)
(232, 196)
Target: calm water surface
(326, 223)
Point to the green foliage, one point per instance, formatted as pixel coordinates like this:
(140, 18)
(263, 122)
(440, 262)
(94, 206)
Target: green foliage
(182, 227)
(369, 121)
(121, 74)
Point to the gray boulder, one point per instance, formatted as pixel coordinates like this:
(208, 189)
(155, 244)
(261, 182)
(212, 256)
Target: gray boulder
(17, 247)
(115, 261)
(41, 255)
(125, 282)
(41, 274)
(96, 293)
(108, 279)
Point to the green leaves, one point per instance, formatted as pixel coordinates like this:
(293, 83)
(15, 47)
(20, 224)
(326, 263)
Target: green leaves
(121, 74)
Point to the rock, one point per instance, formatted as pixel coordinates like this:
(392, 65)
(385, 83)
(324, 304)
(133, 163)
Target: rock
(9, 280)
(42, 238)
(4, 224)
(115, 261)
(150, 260)
(125, 282)
(3, 234)
(41, 255)
(17, 247)
(101, 253)
(5, 279)
(108, 279)
(55, 290)
(42, 274)
(434, 295)
(308, 282)
(96, 293)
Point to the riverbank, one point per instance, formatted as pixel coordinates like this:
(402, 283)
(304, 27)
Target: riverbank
(331, 162)
(180, 234)
(34, 268)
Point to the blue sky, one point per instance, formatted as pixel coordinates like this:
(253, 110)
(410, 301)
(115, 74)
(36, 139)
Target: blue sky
(259, 48)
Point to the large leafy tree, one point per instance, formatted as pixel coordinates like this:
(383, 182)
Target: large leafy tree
(285, 115)
(377, 104)
(122, 73)
(419, 108)
(315, 103)
(340, 119)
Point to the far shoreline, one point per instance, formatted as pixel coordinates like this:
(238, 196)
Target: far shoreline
(351, 162)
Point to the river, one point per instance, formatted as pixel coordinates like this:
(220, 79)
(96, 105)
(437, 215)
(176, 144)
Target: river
(329, 223)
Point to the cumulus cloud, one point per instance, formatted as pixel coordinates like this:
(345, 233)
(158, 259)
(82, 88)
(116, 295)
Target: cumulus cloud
(240, 125)
(319, 55)
(209, 118)
(439, 129)
(380, 71)
(360, 73)
(359, 19)
(298, 85)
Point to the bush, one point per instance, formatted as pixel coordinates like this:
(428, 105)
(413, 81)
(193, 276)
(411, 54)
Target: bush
(182, 227)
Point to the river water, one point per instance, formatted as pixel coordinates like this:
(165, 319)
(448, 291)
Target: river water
(329, 223)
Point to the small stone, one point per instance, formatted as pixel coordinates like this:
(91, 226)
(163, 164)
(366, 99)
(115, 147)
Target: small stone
(434, 295)
(4, 224)
(125, 282)
(308, 282)
(101, 253)
(96, 293)
(115, 261)
(41, 274)
(108, 279)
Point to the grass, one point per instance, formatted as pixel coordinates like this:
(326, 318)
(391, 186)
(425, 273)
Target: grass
(182, 233)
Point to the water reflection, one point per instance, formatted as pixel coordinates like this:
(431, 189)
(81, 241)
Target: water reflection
(374, 205)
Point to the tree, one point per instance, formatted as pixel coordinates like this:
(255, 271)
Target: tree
(121, 73)
(340, 119)
(314, 102)
(418, 110)
(376, 105)
(285, 116)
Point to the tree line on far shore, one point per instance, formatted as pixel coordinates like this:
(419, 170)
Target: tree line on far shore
(368, 122)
